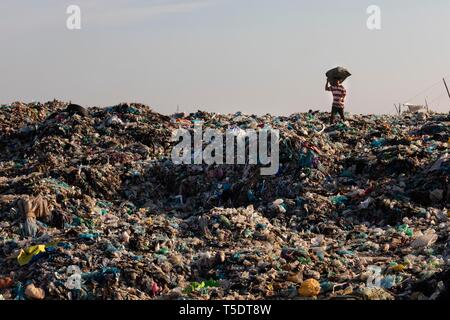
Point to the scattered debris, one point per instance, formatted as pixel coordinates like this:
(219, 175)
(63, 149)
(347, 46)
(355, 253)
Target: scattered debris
(91, 207)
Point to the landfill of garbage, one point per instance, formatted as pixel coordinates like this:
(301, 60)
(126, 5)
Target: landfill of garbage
(92, 207)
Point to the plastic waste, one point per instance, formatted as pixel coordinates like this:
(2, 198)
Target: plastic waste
(425, 240)
(26, 255)
(100, 191)
(309, 288)
(34, 293)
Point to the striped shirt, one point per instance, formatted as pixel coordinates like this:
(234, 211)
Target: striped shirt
(339, 94)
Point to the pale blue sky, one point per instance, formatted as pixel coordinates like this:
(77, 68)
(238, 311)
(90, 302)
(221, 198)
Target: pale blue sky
(255, 56)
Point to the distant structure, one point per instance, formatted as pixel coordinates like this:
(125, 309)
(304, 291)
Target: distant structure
(413, 108)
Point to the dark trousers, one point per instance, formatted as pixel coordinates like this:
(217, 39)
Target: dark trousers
(335, 110)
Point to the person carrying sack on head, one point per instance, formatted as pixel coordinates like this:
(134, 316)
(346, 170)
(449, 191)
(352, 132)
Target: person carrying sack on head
(339, 94)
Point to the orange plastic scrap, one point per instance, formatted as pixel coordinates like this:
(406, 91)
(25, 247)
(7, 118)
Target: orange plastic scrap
(313, 148)
(34, 293)
(6, 283)
(309, 288)
(184, 122)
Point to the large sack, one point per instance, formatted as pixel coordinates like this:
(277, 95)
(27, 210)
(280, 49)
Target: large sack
(338, 73)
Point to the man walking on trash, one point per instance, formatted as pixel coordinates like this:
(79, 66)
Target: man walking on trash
(339, 94)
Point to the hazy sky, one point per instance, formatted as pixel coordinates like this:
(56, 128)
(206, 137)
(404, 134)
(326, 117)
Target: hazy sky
(256, 56)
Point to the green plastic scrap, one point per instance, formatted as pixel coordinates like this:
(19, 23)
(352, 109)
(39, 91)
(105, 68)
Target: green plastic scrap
(248, 233)
(133, 111)
(104, 204)
(163, 251)
(306, 160)
(346, 174)
(202, 286)
(225, 221)
(18, 165)
(78, 221)
(304, 260)
(339, 200)
(404, 228)
(345, 252)
(236, 256)
(57, 183)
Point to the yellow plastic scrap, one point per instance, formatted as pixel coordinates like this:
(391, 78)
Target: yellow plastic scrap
(25, 255)
(398, 267)
(309, 288)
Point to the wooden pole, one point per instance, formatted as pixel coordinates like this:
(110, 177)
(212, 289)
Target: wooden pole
(446, 87)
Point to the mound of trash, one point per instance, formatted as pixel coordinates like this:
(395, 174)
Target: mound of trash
(92, 207)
